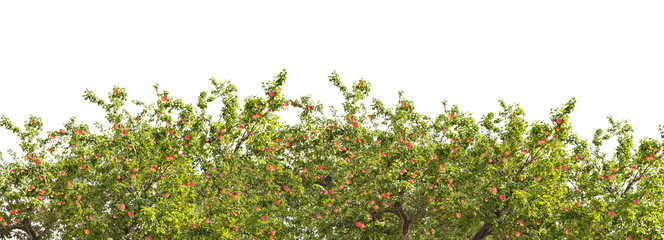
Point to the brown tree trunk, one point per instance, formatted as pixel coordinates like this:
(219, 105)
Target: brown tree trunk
(405, 230)
(482, 232)
(27, 226)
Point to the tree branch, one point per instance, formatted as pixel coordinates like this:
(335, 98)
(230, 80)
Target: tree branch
(398, 207)
(246, 136)
(27, 227)
(8, 229)
(420, 208)
(634, 180)
(482, 232)
(375, 213)
(528, 163)
(54, 219)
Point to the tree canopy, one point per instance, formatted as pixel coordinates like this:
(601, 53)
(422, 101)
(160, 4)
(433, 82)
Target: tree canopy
(368, 171)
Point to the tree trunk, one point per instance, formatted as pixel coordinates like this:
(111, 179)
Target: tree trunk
(405, 230)
(27, 226)
(482, 232)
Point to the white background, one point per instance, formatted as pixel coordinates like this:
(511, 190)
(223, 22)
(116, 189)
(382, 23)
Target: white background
(607, 54)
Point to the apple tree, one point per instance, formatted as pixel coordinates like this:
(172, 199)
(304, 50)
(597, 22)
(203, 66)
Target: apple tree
(173, 171)
(394, 172)
(35, 186)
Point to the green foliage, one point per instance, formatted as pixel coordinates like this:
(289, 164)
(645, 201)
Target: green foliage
(173, 171)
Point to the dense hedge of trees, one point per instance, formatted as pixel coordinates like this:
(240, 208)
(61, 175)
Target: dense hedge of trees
(173, 171)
